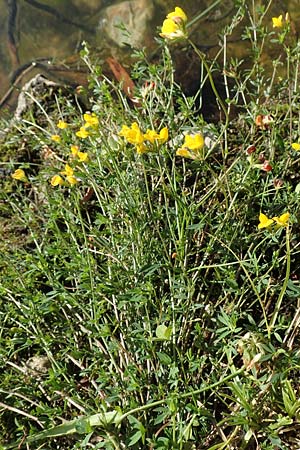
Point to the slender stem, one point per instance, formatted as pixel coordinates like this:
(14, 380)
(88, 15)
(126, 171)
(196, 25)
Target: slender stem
(241, 262)
(285, 283)
(203, 13)
(211, 80)
(185, 395)
(88, 256)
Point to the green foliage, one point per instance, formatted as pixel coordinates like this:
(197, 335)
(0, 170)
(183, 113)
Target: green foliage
(141, 306)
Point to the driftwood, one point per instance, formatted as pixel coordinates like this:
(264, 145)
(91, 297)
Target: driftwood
(36, 84)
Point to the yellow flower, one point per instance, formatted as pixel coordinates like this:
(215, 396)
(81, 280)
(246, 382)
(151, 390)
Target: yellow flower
(185, 153)
(72, 180)
(74, 150)
(277, 21)
(150, 136)
(69, 174)
(282, 221)
(171, 30)
(194, 142)
(91, 120)
(82, 156)
(62, 125)
(124, 131)
(56, 138)
(20, 175)
(133, 135)
(174, 25)
(141, 148)
(82, 133)
(178, 14)
(191, 146)
(164, 135)
(68, 171)
(264, 221)
(57, 180)
(296, 146)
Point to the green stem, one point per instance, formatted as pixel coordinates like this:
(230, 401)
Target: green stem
(181, 396)
(203, 13)
(211, 80)
(285, 283)
(87, 252)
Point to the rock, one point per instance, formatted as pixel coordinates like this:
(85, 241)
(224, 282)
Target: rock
(37, 366)
(126, 22)
(88, 6)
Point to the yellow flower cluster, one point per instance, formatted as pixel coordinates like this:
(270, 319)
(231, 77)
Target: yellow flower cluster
(90, 121)
(57, 180)
(191, 146)
(82, 133)
(265, 222)
(174, 25)
(76, 153)
(135, 136)
(62, 125)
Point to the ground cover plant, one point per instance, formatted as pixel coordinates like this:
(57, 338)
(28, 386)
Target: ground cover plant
(150, 270)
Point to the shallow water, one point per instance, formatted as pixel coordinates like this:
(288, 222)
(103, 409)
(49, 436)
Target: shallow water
(46, 35)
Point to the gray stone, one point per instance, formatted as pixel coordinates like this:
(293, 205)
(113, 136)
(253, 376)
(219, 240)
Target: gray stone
(126, 22)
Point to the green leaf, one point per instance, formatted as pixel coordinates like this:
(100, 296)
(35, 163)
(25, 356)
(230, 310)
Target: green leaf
(81, 425)
(164, 358)
(163, 332)
(135, 438)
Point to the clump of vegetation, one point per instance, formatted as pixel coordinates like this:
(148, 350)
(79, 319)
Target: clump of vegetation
(150, 299)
